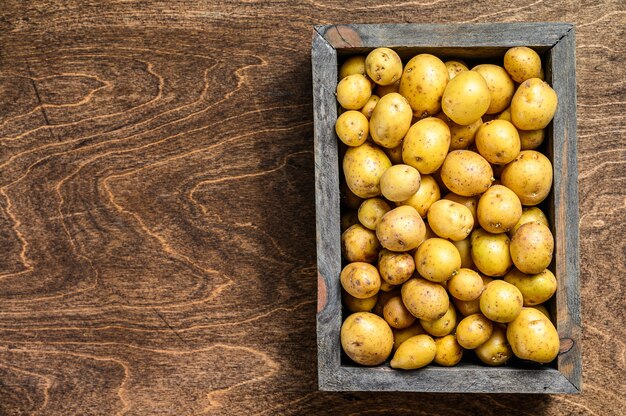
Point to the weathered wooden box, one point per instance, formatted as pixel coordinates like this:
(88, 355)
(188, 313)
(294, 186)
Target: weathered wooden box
(555, 42)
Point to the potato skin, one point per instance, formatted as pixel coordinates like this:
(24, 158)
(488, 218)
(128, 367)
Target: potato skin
(369, 106)
(425, 196)
(401, 229)
(449, 352)
(437, 260)
(442, 326)
(533, 337)
(400, 182)
(522, 63)
(532, 247)
(501, 301)
(491, 253)
(529, 176)
(461, 137)
(500, 84)
(473, 331)
(467, 307)
(363, 166)
(352, 128)
(395, 268)
(390, 120)
(451, 220)
(454, 67)
(371, 212)
(360, 280)
(366, 338)
(382, 90)
(425, 300)
(394, 154)
(359, 305)
(535, 288)
(471, 202)
(466, 285)
(426, 145)
(353, 91)
(530, 214)
(352, 65)
(401, 335)
(498, 141)
(466, 98)
(496, 350)
(466, 173)
(533, 105)
(499, 209)
(396, 314)
(531, 139)
(416, 352)
(423, 81)
(359, 244)
(384, 66)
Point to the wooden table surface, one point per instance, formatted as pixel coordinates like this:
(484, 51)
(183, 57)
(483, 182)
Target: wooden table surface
(157, 239)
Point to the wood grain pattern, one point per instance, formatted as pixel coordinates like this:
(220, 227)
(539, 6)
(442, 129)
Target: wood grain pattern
(157, 211)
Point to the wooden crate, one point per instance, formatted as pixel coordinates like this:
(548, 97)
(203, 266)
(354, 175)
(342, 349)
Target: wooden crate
(555, 42)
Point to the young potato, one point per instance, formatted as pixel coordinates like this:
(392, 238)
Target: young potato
(490, 252)
(449, 352)
(530, 214)
(454, 67)
(394, 154)
(360, 280)
(500, 84)
(390, 120)
(366, 338)
(451, 220)
(383, 298)
(399, 182)
(353, 91)
(471, 202)
(465, 250)
(496, 350)
(529, 176)
(461, 137)
(425, 300)
(425, 196)
(542, 309)
(467, 307)
(395, 268)
(359, 305)
(401, 335)
(466, 285)
(401, 229)
(423, 81)
(505, 115)
(466, 98)
(386, 287)
(348, 220)
(396, 314)
(442, 326)
(352, 128)
(359, 244)
(473, 331)
(416, 352)
(382, 90)
(533, 337)
(384, 66)
(531, 139)
(536, 288)
(426, 145)
(531, 248)
(499, 209)
(522, 63)
(437, 260)
(371, 212)
(348, 198)
(368, 108)
(501, 301)
(363, 166)
(533, 105)
(352, 65)
(466, 173)
(498, 142)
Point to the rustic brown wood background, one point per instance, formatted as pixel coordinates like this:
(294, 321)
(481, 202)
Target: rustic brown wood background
(157, 240)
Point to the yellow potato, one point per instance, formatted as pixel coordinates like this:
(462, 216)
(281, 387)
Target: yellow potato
(499, 209)
(394, 154)
(467, 307)
(383, 298)
(352, 65)
(501, 87)
(465, 250)
(386, 287)
(473, 331)
(384, 66)
(461, 137)
(390, 120)
(451, 220)
(360, 280)
(454, 67)
(530, 214)
(437, 260)
(425, 300)
(348, 198)
(466, 173)
(496, 350)
(466, 98)
(533, 337)
(501, 301)
(352, 128)
(415, 352)
(353, 91)
(529, 176)
(466, 285)
(522, 63)
(399, 182)
(371, 212)
(429, 234)
(449, 352)
(442, 326)
(359, 244)
(401, 335)
(471, 202)
(401, 229)
(395, 268)
(505, 115)
(363, 166)
(359, 305)
(531, 139)
(542, 309)
(382, 90)
(396, 314)
(368, 108)
(532, 246)
(498, 141)
(535, 288)
(348, 220)
(366, 338)
(490, 252)
(533, 105)
(423, 81)
(426, 145)
(426, 195)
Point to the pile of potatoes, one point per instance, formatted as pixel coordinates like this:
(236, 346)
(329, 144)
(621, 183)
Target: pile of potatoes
(444, 246)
